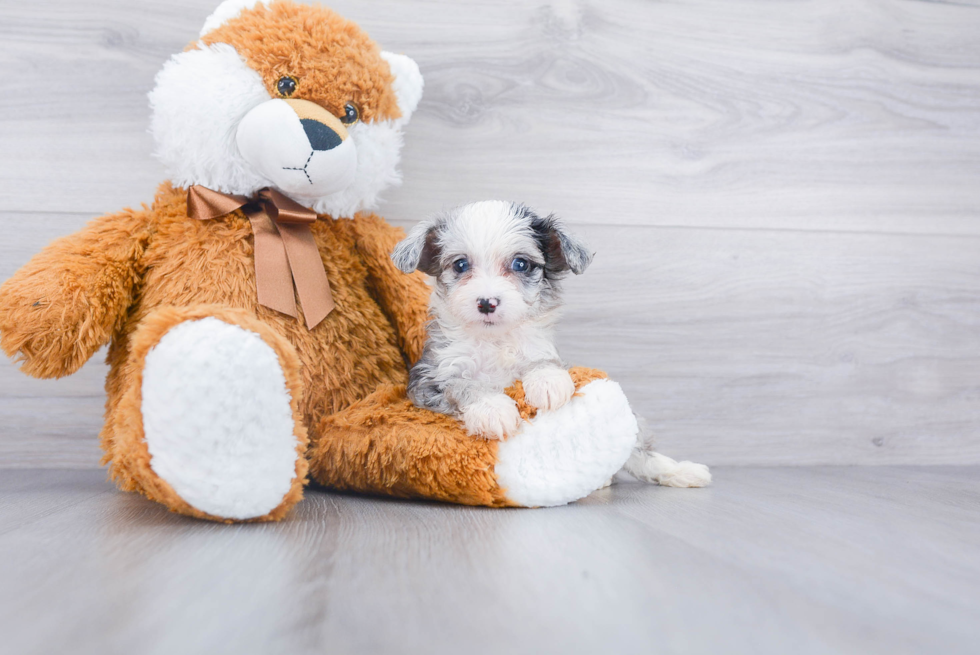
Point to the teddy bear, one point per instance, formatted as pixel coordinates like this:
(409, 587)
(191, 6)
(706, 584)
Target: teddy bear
(259, 334)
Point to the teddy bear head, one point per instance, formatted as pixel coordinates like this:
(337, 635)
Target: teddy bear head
(289, 96)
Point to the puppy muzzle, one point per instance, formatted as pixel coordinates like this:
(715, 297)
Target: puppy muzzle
(300, 147)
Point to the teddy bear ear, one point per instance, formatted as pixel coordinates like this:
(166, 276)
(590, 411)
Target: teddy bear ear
(226, 11)
(408, 82)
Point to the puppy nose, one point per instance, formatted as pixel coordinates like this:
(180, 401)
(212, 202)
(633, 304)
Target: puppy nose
(487, 305)
(321, 137)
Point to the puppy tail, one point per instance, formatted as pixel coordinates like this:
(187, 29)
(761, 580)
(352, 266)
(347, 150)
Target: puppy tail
(650, 466)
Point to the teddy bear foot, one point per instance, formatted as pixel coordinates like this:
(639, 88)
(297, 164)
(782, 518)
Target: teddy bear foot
(564, 455)
(218, 421)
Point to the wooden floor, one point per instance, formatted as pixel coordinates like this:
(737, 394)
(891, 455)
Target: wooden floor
(769, 560)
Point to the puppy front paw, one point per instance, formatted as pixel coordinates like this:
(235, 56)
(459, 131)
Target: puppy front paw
(548, 388)
(492, 417)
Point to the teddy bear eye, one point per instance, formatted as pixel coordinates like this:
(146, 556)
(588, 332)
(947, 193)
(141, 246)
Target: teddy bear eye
(351, 115)
(286, 86)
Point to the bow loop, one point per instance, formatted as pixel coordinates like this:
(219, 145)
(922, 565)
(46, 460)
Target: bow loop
(285, 252)
(286, 209)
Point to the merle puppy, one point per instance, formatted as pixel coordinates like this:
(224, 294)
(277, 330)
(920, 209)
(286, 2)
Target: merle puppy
(497, 269)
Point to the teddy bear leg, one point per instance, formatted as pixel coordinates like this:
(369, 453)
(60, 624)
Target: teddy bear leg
(208, 421)
(385, 445)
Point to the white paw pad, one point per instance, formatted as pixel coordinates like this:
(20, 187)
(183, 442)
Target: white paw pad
(492, 417)
(217, 419)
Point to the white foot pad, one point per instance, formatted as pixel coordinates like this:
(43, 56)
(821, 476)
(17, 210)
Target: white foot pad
(217, 419)
(567, 454)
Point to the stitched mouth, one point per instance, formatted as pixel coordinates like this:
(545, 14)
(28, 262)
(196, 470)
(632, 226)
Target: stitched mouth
(303, 169)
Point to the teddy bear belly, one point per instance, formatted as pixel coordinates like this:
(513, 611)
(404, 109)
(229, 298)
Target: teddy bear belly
(344, 358)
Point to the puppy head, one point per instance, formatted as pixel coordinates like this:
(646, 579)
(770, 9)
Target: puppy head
(496, 264)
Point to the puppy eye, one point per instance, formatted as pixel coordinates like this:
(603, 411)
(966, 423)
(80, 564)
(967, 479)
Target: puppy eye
(286, 86)
(520, 265)
(461, 266)
(351, 115)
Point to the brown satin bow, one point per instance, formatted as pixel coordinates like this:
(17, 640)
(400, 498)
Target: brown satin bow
(285, 252)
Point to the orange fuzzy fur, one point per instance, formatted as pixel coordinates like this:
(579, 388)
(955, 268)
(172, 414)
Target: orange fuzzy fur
(331, 59)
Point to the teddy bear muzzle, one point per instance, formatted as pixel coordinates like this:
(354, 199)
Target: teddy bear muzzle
(300, 147)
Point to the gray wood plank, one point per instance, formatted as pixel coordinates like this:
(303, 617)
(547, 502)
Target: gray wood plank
(857, 116)
(816, 560)
(51, 432)
(758, 347)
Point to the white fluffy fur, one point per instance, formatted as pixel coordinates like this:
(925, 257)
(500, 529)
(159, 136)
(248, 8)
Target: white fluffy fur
(217, 419)
(408, 82)
(562, 456)
(199, 99)
(272, 140)
(650, 466)
(379, 148)
(202, 95)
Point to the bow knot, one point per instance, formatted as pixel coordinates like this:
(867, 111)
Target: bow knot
(285, 251)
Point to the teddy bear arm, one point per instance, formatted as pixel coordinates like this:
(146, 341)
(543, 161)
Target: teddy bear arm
(403, 298)
(65, 303)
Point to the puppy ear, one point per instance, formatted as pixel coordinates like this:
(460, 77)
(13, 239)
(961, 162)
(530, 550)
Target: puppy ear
(562, 251)
(420, 249)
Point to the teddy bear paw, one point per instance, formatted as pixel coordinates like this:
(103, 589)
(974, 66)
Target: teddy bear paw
(218, 421)
(566, 454)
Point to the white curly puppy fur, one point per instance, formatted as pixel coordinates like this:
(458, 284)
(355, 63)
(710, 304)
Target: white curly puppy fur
(497, 268)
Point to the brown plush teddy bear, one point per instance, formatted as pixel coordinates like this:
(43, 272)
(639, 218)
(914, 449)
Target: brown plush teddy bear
(258, 329)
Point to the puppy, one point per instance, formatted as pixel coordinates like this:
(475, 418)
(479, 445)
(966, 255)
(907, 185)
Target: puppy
(496, 299)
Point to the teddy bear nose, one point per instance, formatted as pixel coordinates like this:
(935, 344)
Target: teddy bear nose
(321, 137)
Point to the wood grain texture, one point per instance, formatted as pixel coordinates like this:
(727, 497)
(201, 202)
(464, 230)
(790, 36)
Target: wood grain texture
(783, 197)
(824, 114)
(818, 560)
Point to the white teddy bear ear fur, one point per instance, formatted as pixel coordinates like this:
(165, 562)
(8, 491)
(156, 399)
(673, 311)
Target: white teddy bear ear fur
(408, 82)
